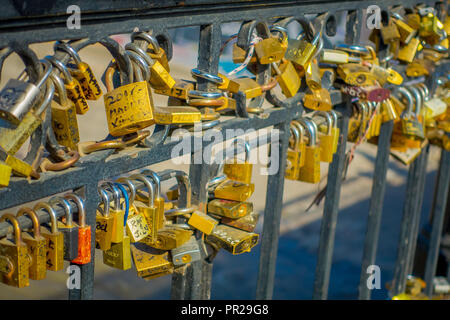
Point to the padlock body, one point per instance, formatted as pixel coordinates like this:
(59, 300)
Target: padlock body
(137, 227)
(104, 226)
(16, 100)
(84, 245)
(89, 84)
(247, 223)
(202, 222)
(129, 108)
(310, 172)
(17, 258)
(65, 125)
(119, 255)
(55, 249)
(170, 238)
(76, 95)
(177, 115)
(5, 174)
(150, 261)
(186, 253)
(230, 209)
(239, 171)
(234, 190)
(70, 241)
(118, 225)
(38, 253)
(232, 240)
(11, 139)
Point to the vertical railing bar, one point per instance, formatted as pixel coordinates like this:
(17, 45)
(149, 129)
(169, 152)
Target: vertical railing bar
(86, 290)
(438, 219)
(399, 279)
(272, 217)
(330, 212)
(376, 207)
(417, 210)
(195, 282)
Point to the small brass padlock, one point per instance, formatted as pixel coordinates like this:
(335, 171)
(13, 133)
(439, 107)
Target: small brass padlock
(310, 171)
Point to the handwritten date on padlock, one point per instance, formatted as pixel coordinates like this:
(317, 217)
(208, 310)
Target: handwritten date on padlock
(128, 108)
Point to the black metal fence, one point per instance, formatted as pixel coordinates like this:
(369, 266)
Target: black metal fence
(103, 18)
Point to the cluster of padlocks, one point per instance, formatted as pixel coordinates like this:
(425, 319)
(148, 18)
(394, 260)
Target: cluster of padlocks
(134, 221)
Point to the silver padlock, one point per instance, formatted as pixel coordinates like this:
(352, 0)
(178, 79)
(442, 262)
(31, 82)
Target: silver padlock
(186, 253)
(18, 97)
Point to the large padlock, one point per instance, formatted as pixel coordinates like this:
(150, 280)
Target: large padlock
(84, 231)
(69, 229)
(64, 117)
(310, 171)
(36, 245)
(73, 87)
(129, 108)
(14, 259)
(18, 97)
(82, 72)
(12, 138)
(54, 238)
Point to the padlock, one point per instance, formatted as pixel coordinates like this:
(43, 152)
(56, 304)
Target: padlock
(64, 117)
(408, 52)
(388, 111)
(326, 139)
(223, 82)
(411, 127)
(337, 57)
(312, 76)
(369, 93)
(301, 52)
(420, 67)
(129, 108)
(5, 174)
(150, 211)
(202, 222)
(179, 90)
(153, 49)
(69, 229)
(406, 31)
(84, 231)
(229, 209)
(384, 75)
(14, 257)
(318, 100)
(334, 130)
(430, 27)
(232, 240)
(36, 244)
(389, 32)
(310, 171)
(18, 97)
(287, 77)
(356, 75)
(54, 239)
(186, 253)
(247, 223)
(240, 171)
(150, 262)
(356, 122)
(72, 86)
(104, 223)
(249, 87)
(12, 138)
(159, 77)
(234, 190)
(170, 237)
(177, 115)
(82, 72)
(272, 49)
(295, 154)
(413, 20)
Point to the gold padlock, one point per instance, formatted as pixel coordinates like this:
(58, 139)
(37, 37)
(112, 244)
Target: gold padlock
(287, 77)
(150, 261)
(310, 171)
(295, 153)
(272, 49)
(240, 171)
(232, 240)
(229, 208)
(326, 139)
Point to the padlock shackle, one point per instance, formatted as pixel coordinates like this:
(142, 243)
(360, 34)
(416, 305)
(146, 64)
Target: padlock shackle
(307, 27)
(409, 100)
(47, 71)
(51, 212)
(156, 180)
(184, 199)
(47, 99)
(59, 87)
(131, 188)
(67, 48)
(207, 76)
(28, 212)
(280, 29)
(149, 185)
(61, 67)
(139, 62)
(136, 49)
(80, 204)
(148, 38)
(300, 129)
(66, 206)
(311, 130)
(295, 133)
(334, 117)
(327, 117)
(425, 92)
(115, 192)
(417, 99)
(12, 219)
(204, 94)
(105, 200)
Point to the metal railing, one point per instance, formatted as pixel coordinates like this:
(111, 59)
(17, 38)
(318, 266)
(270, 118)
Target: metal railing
(101, 19)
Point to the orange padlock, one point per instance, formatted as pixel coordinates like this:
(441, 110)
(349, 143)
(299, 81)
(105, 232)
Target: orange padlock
(84, 231)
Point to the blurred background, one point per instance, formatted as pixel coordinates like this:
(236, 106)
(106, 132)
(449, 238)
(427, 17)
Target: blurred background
(234, 277)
